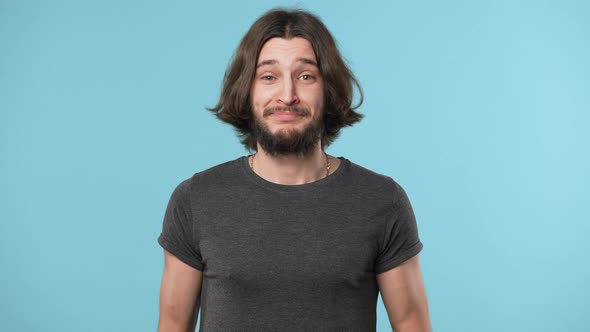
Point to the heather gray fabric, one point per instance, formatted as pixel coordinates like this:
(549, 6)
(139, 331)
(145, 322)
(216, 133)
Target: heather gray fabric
(289, 258)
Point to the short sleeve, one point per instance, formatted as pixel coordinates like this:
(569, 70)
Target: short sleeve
(178, 235)
(400, 240)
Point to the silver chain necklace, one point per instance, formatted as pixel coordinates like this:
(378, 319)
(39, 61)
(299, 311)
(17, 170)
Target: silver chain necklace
(251, 158)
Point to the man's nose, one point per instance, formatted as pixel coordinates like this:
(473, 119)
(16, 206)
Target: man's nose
(288, 94)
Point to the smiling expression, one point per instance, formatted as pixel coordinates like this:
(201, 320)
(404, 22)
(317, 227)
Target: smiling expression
(287, 93)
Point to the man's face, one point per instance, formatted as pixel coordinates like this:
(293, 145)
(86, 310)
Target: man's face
(287, 97)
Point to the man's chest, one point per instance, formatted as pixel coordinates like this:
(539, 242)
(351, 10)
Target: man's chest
(289, 246)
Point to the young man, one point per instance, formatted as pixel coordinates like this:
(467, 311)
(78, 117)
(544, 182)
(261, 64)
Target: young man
(289, 238)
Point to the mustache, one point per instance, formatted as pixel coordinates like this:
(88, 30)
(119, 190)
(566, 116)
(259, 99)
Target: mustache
(302, 111)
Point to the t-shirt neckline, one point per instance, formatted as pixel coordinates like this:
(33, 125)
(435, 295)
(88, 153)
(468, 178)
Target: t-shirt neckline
(321, 183)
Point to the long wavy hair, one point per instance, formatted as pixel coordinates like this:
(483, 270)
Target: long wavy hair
(234, 105)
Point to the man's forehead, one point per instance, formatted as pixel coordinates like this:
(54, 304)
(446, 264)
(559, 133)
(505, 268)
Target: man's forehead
(277, 50)
(276, 62)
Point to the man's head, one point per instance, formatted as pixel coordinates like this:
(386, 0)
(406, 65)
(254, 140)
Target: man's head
(288, 87)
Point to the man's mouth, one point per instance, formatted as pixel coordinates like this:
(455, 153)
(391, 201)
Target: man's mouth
(285, 115)
(286, 112)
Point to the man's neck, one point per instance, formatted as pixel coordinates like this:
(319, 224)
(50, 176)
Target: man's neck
(293, 169)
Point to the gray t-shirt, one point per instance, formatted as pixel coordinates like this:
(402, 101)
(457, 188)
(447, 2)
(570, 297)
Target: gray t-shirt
(289, 257)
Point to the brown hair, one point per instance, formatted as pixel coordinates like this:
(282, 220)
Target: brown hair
(235, 107)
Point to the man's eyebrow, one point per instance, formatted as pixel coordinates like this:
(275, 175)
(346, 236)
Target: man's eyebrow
(274, 62)
(307, 61)
(266, 63)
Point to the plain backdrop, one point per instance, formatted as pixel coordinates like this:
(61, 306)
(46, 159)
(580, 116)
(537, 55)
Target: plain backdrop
(479, 109)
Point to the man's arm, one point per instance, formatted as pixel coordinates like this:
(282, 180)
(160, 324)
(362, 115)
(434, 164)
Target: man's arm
(404, 296)
(181, 286)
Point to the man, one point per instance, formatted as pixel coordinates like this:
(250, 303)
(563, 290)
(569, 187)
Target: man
(289, 238)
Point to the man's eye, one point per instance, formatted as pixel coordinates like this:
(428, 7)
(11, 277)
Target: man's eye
(307, 77)
(267, 78)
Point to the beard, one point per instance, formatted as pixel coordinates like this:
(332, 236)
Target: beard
(288, 141)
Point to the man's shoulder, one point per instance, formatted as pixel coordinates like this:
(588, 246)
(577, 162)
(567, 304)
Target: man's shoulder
(214, 175)
(223, 169)
(372, 180)
(367, 174)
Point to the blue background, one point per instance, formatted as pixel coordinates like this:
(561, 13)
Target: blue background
(478, 109)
